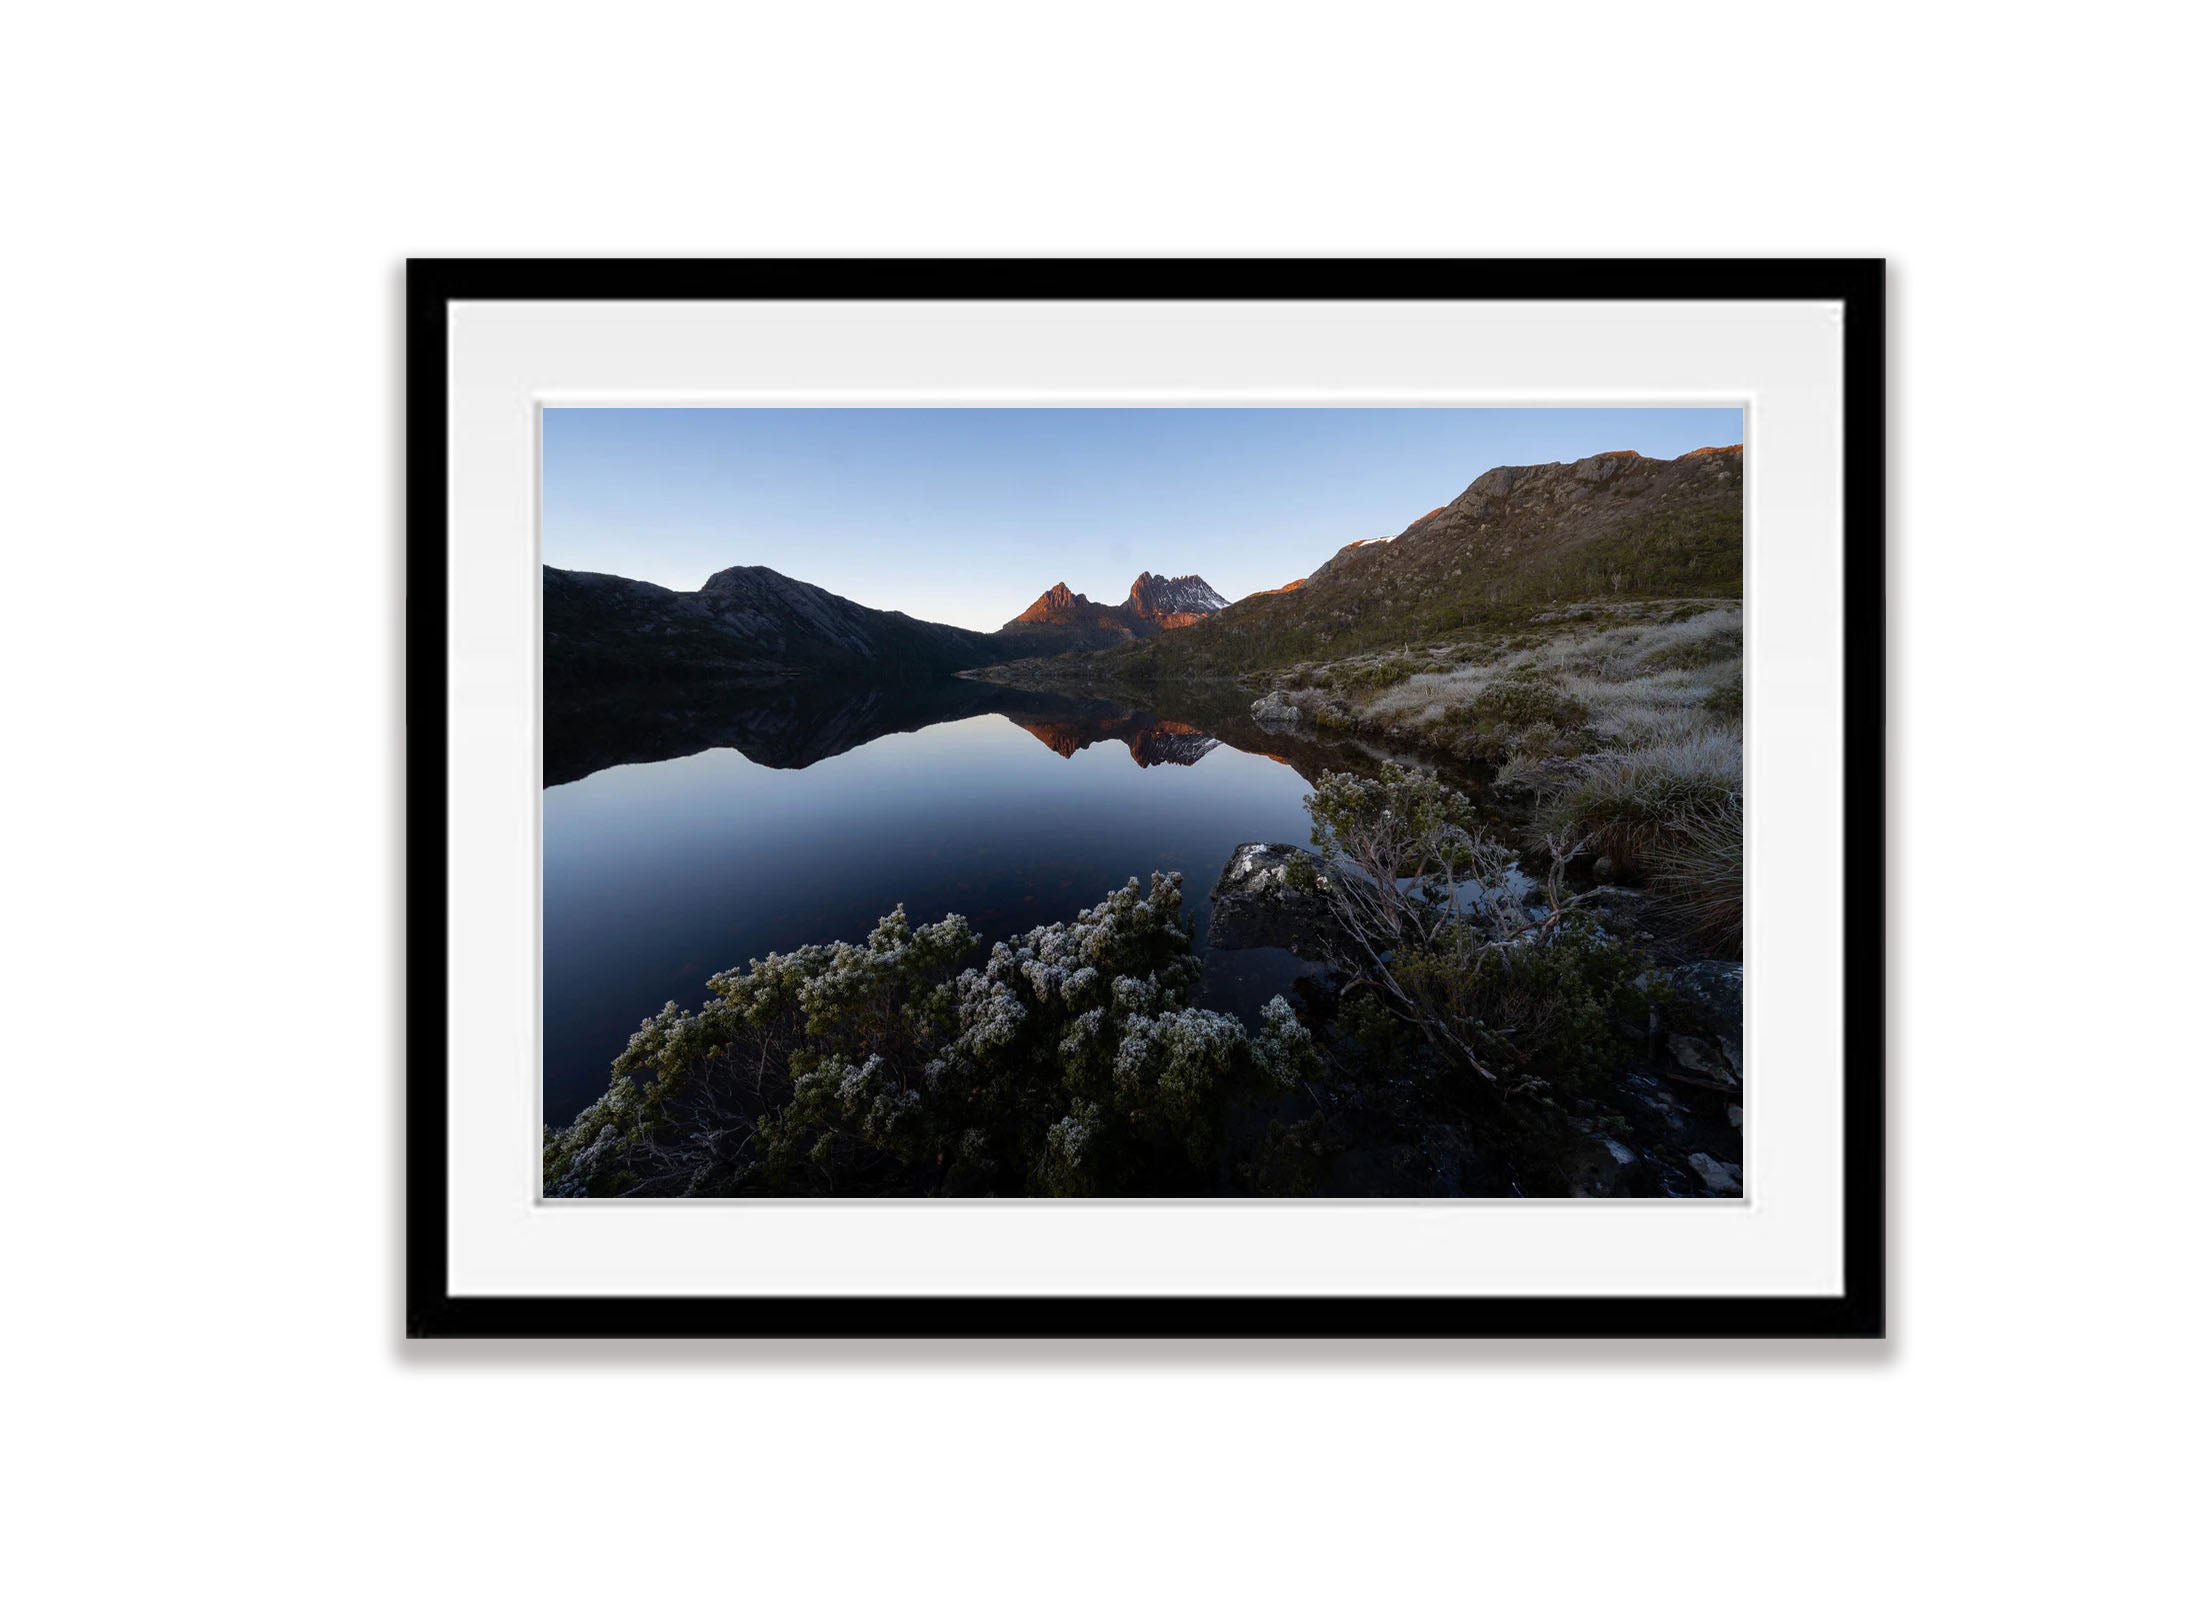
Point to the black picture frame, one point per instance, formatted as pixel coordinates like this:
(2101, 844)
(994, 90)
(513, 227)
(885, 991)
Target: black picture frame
(1859, 1311)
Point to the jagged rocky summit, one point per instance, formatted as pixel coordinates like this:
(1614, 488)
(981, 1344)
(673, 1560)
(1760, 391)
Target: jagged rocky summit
(1155, 605)
(1173, 602)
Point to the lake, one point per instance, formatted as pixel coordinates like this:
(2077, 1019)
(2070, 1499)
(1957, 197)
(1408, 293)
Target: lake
(687, 833)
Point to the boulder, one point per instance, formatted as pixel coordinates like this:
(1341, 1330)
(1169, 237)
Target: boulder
(1255, 905)
(1598, 1166)
(1624, 913)
(1707, 1000)
(1276, 711)
(1702, 1062)
(1720, 1177)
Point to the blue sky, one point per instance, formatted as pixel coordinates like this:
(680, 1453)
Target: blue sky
(964, 516)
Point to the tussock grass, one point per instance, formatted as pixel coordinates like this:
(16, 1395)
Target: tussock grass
(1648, 712)
(1622, 670)
(1699, 641)
(1626, 802)
(1596, 656)
(1426, 696)
(1696, 865)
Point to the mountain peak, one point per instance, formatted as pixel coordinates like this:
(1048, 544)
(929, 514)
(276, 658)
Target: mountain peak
(754, 581)
(1156, 598)
(741, 577)
(1058, 604)
(1156, 603)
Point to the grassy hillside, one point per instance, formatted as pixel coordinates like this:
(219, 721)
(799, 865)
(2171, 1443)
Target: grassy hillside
(1518, 541)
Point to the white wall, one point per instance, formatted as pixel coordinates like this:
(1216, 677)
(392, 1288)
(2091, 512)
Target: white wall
(208, 207)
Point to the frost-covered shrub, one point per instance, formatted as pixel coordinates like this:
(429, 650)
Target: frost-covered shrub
(1519, 716)
(1066, 1062)
(1508, 979)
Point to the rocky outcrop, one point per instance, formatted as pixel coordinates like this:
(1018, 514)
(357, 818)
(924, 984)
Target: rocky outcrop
(1684, 1106)
(1600, 1166)
(1718, 1177)
(1256, 906)
(1304, 710)
(1057, 606)
(1156, 605)
(1172, 602)
(1702, 1026)
(1671, 1141)
(1707, 998)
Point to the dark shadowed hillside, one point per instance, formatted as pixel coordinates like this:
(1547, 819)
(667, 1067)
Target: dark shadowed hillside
(601, 631)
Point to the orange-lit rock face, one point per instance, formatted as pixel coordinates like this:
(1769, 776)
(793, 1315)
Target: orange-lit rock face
(1711, 450)
(1058, 604)
(1155, 604)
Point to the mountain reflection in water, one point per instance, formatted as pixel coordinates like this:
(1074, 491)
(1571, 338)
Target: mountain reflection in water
(798, 723)
(686, 833)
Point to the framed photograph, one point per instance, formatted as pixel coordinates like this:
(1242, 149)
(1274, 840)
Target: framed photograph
(1145, 798)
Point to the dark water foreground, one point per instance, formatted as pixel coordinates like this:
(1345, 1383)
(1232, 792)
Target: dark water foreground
(685, 834)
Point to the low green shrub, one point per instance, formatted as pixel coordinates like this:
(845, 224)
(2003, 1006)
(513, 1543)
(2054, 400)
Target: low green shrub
(1388, 673)
(1517, 715)
(1521, 703)
(1292, 1161)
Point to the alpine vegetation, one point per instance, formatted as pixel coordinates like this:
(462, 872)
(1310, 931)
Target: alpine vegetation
(1514, 988)
(1066, 1061)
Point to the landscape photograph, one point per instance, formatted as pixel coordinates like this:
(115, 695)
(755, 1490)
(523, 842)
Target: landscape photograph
(1237, 803)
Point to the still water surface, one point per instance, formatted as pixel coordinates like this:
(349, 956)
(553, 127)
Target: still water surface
(658, 873)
